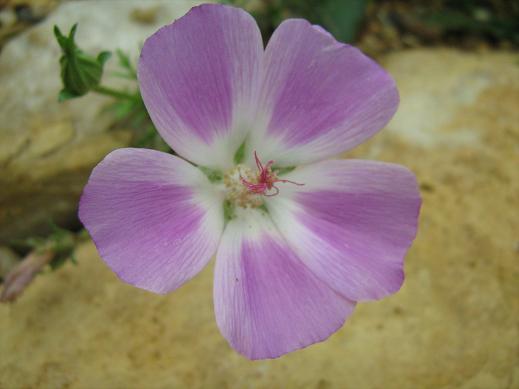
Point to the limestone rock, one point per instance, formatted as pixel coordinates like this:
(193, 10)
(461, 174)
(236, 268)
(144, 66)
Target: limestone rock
(47, 149)
(432, 109)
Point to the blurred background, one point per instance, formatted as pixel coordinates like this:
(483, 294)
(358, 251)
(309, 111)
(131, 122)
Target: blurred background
(66, 321)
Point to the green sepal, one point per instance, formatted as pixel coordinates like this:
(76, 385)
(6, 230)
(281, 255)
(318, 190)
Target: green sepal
(240, 154)
(263, 208)
(212, 174)
(228, 211)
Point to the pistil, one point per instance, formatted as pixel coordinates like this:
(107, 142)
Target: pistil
(265, 180)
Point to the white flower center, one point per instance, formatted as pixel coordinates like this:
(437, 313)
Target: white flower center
(236, 192)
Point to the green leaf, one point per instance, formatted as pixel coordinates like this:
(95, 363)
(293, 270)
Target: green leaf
(126, 63)
(122, 109)
(62, 243)
(62, 40)
(34, 242)
(103, 56)
(123, 75)
(72, 33)
(342, 18)
(124, 59)
(66, 95)
(73, 258)
(58, 262)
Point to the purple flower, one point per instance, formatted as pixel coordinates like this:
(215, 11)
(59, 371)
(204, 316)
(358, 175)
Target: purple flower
(298, 238)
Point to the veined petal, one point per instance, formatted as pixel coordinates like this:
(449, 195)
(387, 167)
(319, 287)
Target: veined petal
(267, 302)
(152, 217)
(320, 97)
(199, 80)
(351, 223)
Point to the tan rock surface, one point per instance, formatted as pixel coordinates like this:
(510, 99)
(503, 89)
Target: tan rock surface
(454, 324)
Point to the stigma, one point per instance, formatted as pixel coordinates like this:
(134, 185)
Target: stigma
(247, 188)
(266, 179)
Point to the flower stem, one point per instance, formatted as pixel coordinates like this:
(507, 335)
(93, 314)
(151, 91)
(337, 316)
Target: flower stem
(113, 92)
(21, 276)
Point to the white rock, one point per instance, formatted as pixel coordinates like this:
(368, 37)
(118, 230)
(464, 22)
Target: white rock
(437, 85)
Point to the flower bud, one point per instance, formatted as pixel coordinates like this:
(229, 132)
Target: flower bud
(80, 72)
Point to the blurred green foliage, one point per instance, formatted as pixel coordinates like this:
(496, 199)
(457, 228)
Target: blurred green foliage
(60, 242)
(340, 17)
(491, 19)
(132, 112)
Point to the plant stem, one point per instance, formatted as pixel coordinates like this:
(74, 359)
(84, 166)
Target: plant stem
(113, 92)
(21, 276)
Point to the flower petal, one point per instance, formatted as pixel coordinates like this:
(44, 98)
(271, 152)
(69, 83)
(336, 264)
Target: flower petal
(320, 97)
(199, 77)
(351, 223)
(267, 302)
(152, 217)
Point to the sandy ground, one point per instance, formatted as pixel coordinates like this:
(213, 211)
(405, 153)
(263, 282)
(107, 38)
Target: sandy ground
(454, 324)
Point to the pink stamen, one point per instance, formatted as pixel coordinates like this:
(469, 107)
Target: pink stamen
(266, 179)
